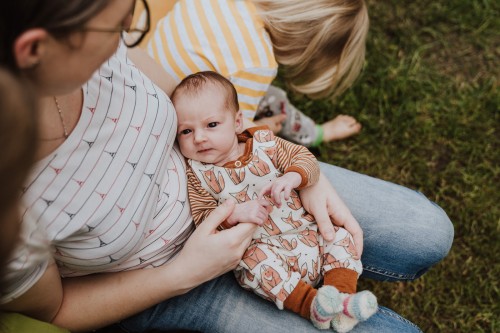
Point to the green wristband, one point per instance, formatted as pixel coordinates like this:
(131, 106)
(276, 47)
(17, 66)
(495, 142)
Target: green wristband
(319, 136)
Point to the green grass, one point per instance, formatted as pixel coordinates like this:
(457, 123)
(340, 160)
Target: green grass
(429, 103)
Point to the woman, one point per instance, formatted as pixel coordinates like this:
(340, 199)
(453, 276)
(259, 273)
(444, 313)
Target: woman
(108, 194)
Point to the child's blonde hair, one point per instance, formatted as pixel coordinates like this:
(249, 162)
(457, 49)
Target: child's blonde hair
(321, 43)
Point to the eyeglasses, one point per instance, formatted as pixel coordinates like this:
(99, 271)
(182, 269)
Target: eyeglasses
(134, 34)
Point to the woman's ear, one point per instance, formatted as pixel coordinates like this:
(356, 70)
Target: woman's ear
(28, 48)
(238, 122)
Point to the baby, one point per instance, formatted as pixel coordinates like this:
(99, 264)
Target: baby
(287, 257)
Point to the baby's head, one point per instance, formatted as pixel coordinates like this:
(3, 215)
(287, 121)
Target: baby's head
(208, 117)
(320, 43)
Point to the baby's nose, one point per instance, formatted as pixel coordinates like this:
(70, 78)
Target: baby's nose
(199, 136)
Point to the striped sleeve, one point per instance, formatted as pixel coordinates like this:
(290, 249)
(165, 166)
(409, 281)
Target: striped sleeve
(202, 203)
(296, 158)
(180, 42)
(251, 85)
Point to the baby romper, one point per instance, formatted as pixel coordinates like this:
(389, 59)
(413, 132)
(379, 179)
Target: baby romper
(287, 247)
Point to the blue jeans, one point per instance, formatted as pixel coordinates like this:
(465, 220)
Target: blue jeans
(405, 234)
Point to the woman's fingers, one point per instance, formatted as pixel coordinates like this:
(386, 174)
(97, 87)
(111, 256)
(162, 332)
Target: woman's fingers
(218, 215)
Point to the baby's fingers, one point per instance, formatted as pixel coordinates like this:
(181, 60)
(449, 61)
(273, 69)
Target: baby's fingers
(286, 191)
(262, 217)
(264, 203)
(217, 216)
(266, 189)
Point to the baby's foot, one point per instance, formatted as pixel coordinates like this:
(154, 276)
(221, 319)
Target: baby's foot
(326, 304)
(357, 307)
(360, 306)
(342, 323)
(340, 127)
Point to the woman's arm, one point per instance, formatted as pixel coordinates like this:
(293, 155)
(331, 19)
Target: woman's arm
(42, 301)
(152, 69)
(90, 302)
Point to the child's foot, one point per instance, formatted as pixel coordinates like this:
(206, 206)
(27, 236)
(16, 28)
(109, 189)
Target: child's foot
(326, 304)
(342, 323)
(340, 127)
(357, 307)
(360, 306)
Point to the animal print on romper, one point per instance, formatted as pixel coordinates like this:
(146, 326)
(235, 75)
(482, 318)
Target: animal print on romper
(287, 247)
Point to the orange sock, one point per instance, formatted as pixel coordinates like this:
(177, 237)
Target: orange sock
(344, 279)
(300, 299)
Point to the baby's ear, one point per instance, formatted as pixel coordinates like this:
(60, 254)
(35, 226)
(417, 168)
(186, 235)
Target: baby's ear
(239, 122)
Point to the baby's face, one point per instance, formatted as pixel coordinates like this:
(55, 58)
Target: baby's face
(206, 129)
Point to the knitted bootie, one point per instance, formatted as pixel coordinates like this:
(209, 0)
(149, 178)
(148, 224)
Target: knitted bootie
(325, 305)
(357, 307)
(342, 323)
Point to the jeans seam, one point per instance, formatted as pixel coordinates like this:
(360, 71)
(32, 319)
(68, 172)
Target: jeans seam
(389, 274)
(396, 316)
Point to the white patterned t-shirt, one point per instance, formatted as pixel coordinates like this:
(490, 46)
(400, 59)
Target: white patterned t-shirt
(113, 196)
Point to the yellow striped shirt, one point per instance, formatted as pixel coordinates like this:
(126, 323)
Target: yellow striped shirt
(226, 36)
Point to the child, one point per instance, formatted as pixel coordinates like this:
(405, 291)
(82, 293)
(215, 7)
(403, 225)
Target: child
(319, 46)
(287, 256)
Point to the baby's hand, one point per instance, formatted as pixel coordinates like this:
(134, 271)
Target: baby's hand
(285, 184)
(253, 211)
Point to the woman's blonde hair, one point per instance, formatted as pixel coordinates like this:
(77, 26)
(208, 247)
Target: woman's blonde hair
(321, 43)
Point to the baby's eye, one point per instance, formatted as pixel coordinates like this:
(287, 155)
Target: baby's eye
(186, 131)
(213, 124)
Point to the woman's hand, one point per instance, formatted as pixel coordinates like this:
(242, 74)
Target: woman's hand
(322, 201)
(208, 252)
(85, 303)
(252, 211)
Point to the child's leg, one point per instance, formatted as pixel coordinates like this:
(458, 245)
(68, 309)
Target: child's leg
(297, 127)
(341, 271)
(304, 256)
(320, 306)
(344, 279)
(300, 128)
(285, 278)
(340, 268)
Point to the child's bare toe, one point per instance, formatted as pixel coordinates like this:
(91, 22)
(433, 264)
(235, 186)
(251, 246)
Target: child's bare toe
(340, 127)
